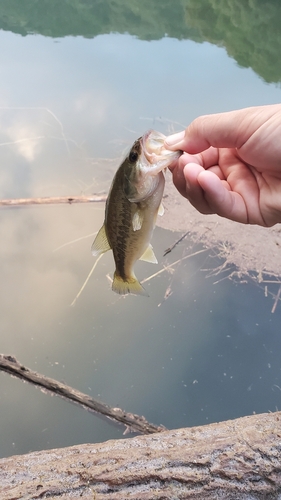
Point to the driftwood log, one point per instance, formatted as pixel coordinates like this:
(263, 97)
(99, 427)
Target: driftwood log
(233, 460)
(50, 200)
(133, 422)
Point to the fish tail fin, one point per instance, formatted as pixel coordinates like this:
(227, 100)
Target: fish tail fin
(130, 285)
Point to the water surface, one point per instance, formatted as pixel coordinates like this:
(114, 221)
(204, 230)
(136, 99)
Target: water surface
(77, 88)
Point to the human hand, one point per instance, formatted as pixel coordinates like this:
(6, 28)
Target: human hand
(231, 164)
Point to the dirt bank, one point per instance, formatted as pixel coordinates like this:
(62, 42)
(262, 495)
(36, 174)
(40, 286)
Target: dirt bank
(249, 248)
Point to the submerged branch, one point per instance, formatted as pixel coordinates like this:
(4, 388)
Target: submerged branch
(49, 200)
(10, 365)
(170, 266)
(86, 280)
(276, 300)
(168, 250)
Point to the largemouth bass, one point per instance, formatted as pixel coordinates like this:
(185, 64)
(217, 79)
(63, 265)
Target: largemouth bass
(132, 206)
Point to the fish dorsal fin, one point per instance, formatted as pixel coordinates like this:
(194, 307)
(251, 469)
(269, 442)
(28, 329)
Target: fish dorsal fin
(137, 220)
(149, 256)
(100, 244)
(161, 209)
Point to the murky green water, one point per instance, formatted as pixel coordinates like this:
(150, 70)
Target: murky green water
(79, 82)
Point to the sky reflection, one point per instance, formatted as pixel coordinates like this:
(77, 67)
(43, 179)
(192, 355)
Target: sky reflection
(68, 109)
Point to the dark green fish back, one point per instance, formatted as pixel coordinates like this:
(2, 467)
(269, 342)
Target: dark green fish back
(118, 220)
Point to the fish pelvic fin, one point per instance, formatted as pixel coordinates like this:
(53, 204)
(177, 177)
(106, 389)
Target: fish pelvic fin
(130, 285)
(101, 244)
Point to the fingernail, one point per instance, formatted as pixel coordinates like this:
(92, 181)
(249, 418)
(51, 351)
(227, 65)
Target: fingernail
(172, 140)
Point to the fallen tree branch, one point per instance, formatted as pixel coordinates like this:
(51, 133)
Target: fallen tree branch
(53, 200)
(136, 423)
(168, 250)
(234, 460)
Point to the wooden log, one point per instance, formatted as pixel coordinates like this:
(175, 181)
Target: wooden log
(50, 200)
(233, 460)
(133, 422)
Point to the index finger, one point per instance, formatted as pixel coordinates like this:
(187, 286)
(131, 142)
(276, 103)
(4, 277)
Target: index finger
(206, 159)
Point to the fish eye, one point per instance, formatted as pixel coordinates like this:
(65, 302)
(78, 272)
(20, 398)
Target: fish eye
(133, 156)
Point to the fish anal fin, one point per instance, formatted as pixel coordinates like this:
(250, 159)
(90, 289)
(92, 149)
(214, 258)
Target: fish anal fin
(101, 244)
(137, 220)
(161, 209)
(149, 256)
(130, 285)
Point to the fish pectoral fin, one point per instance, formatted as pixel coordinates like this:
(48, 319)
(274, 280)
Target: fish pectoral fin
(137, 220)
(101, 244)
(161, 209)
(149, 255)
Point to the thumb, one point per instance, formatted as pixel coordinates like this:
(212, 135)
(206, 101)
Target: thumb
(222, 130)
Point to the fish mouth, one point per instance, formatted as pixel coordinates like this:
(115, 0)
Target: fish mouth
(152, 143)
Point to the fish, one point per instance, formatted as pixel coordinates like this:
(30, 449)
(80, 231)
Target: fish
(133, 202)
